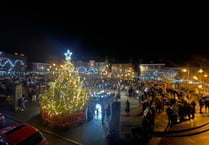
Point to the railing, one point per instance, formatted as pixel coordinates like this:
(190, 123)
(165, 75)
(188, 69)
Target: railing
(64, 120)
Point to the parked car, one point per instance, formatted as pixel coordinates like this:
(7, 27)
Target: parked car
(21, 135)
(2, 120)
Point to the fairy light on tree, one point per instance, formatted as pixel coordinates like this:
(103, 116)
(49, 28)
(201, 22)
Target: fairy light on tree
(66, 95)
(130, 74)
(104, 71)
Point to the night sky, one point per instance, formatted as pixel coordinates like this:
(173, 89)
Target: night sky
(98, 33)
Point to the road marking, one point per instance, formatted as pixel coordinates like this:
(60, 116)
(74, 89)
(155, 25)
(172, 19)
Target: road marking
(63, 138)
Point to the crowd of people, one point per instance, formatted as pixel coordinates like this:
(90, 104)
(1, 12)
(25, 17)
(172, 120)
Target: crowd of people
(156, 97)
(31, 89)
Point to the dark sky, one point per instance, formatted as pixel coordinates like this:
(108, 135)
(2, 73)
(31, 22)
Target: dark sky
(100, 32)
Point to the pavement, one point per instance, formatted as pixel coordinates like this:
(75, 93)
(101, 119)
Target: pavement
(191, 129)
(88, 133)
(162, 134)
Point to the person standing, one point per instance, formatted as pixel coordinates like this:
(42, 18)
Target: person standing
(127, 108)
(175, 114)
(108, 111)
(21, 103)
(201, 103)
(2, 121)
(144, 105)
(193, 103)
(169, 112)
(103, 113)
(158, 105)
(206, 105)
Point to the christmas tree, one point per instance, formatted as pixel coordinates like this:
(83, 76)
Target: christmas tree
(105, 69)
(66, 95)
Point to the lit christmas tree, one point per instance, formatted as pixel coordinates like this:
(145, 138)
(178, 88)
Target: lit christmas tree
(66, 95)
(130, 74)
(105, 69)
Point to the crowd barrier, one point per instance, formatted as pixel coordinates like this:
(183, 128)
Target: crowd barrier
(63, 121)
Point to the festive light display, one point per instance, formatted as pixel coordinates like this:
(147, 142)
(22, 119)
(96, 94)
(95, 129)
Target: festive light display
(104, 71)
(130, 74)
(81, 69)
(87, 70)
(66, 95)
(9, 65)
(92, 70)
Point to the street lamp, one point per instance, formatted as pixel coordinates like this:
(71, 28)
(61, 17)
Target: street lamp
(195, 77)
(186, 70)
(187, 79)
(200, 71)
(201, 85)
(205, 82)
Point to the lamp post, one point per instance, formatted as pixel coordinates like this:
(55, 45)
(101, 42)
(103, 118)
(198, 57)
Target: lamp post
(201, 80)
(205, 82)
(187, 78)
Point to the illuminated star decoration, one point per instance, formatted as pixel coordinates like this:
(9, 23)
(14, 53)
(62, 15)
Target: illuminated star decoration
(68, 55)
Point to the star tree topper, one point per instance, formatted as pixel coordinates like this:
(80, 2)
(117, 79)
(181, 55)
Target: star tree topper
(68, 55)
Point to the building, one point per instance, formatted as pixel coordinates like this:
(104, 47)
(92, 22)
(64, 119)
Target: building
(38, 68)
(122, 71)
(150, 71)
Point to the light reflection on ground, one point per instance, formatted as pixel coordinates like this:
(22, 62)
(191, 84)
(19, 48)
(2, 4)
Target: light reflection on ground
(98, 112)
